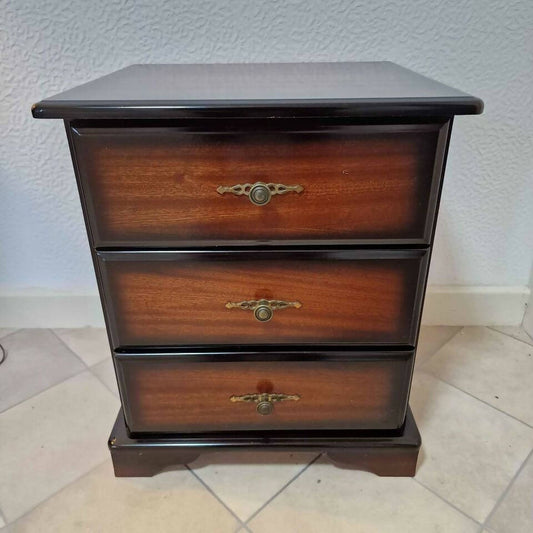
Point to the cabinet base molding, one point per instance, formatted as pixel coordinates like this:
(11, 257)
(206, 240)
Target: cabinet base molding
(385, 453)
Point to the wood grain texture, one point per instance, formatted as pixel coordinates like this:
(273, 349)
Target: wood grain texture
(165, 395)
(367, 142)
(180, 299)
(158, 186)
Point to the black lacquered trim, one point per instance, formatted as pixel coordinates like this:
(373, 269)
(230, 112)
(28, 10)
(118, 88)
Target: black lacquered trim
(244, 254)
(265, 353)
(279, 439)
(147, 109)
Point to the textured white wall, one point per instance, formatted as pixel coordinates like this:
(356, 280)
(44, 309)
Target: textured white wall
(484, 47)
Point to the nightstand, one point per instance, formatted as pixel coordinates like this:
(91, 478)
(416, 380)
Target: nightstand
(261, 236)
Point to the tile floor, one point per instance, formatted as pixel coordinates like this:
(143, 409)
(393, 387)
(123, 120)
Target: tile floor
(472, 398)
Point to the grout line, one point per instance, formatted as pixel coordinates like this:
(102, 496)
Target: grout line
(428, 359)
(44, 390)
(3, 517)
(282, 489)
(212, 492)
(100, 362)
(512, 337)
(84, 369)
(508, 488)
(68, 347)
(114, 392)
(57, 492)
(446, 501)
(476, 398)
(12, 333)
(85, 364)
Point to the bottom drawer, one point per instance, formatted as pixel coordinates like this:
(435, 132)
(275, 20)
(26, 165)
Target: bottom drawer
(176, 393)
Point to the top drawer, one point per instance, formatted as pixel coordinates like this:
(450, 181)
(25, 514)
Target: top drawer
(165, 186)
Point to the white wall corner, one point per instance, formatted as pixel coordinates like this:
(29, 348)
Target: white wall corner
(444, 306)
(528, 317)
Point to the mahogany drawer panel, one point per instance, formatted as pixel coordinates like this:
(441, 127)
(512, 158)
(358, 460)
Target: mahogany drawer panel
(157, 186)
(346, 296)
(173, 395)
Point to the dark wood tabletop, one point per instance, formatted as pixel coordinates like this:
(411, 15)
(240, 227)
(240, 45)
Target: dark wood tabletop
(259, 90)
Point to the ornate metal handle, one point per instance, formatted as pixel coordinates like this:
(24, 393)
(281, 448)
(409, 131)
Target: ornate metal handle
(265, 400)
(263, 309)
(260, 193)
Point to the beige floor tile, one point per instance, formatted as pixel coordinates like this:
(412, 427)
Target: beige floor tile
(245, 481)
(326, 498)
(2, 523)
(431, 339)
(515, 512)
(89, 343)
(173, 501)
(514, 331)
(491, 366)
(52, 439)
(470, 451)
(105, 372)
(35, 360)
(6, 331)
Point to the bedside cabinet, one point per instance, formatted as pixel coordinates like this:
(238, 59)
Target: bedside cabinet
(261, 237)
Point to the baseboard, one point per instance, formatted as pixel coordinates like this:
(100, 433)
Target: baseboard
(39, 308)
(444, 306)
(475, 306)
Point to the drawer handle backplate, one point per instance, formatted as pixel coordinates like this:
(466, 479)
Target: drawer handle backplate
(263, 309)
(265, 400)
(259, 193)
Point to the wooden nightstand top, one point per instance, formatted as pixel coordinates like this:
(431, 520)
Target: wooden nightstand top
(369, 89)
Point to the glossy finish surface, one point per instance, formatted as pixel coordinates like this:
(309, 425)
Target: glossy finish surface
(390, 453)
(356, 89)
(307, 303)
(164, 298)
(175, 396)
(158, 186)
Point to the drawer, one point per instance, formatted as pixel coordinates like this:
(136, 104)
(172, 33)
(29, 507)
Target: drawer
(174, 394)
(226, 297)
(160, 186)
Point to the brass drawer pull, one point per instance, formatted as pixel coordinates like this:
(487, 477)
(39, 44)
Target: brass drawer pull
(265, 401)
(260, 193)
(263, 309)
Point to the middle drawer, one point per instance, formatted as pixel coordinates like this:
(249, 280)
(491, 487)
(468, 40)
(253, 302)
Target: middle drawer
(263, 297)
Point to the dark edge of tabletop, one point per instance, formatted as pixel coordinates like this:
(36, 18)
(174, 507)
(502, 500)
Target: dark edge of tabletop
(429, 107)
(267, 90)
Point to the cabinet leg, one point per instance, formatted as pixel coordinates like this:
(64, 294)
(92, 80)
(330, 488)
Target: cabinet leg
(384, 455)
(389, 462)
(146, 463)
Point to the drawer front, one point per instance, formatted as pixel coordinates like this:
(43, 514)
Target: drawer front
(158, 186)
(171, 299)
(166, 394)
